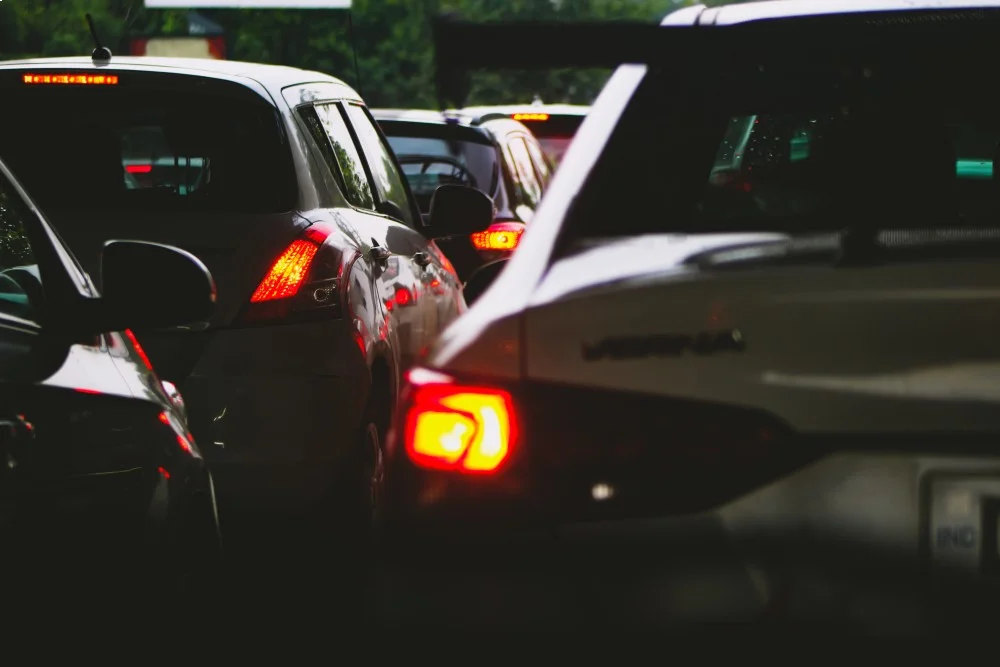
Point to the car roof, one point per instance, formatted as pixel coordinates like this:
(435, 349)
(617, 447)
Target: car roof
(788, 9)
(501, 124)
(272, 77)
(417, 116)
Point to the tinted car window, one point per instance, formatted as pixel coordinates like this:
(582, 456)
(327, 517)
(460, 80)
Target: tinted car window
(148, 151)
(345, 152)
(388, 180)
(479, 159)
(17, 261)
(554, 133)
(915, 150)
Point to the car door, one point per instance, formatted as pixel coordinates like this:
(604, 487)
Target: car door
(437, 284)
(76, 446)
(396, 282)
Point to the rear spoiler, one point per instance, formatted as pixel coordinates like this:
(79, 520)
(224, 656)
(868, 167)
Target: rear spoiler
(462, 46)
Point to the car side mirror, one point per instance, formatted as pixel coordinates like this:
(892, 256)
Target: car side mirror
(481, 279)
(148, 286)
(458, 210)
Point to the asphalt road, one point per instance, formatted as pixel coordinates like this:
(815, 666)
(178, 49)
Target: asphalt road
(678, 574)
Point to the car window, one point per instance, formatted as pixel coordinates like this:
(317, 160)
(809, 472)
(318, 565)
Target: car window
(20, 282)
(907, 153)
(344, 153)
(388, 180)
(530, 187)
(147, 151)
(540, 162)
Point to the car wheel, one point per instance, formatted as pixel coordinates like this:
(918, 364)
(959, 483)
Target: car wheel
(371, 470)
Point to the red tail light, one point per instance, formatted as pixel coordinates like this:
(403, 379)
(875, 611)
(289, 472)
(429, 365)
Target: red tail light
(450, 426)
(288, 273)
(296, 282)
(502, 236)
(138, 168)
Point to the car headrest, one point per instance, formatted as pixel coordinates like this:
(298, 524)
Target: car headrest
(892, 162)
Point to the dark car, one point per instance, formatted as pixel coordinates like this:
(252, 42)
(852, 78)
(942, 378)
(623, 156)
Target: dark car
(493, 153)
(330, 284)
(102, 482)
(554, 125)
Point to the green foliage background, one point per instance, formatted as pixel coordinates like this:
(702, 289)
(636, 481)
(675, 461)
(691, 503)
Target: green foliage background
(395, 54)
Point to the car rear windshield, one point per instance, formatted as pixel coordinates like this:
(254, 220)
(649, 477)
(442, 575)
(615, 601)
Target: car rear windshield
(893, 142)
(433, 155)
(554, 132)
(146, 150)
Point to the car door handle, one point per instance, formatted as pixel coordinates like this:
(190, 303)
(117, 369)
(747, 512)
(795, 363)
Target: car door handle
(422, 259)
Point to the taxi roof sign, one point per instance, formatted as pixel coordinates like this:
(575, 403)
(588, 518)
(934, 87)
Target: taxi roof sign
(247, 4)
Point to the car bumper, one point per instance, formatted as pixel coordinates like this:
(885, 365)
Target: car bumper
(276, 410)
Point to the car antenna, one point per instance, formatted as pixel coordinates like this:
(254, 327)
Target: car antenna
(101, 54)
(354, 52)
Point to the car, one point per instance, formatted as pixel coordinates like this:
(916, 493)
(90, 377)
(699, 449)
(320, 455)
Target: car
(102, 483)
(493, 153)
(554, 125)
(790, 369)
(330, 284)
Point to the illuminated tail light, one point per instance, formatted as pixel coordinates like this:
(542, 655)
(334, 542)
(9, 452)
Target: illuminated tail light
(296, 283)
(288, 273)
(502, 236)
(138, 168)
(450, 426)
(535, 117)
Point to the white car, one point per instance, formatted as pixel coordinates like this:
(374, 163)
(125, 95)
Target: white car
(330, 283)
(809, 348)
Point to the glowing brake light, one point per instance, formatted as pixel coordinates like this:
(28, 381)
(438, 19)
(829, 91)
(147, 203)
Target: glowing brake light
(289, 272)
(303, 282)
(138, 168)
(72, 79)
(531, 116)
(449, 426)
(499, 236)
